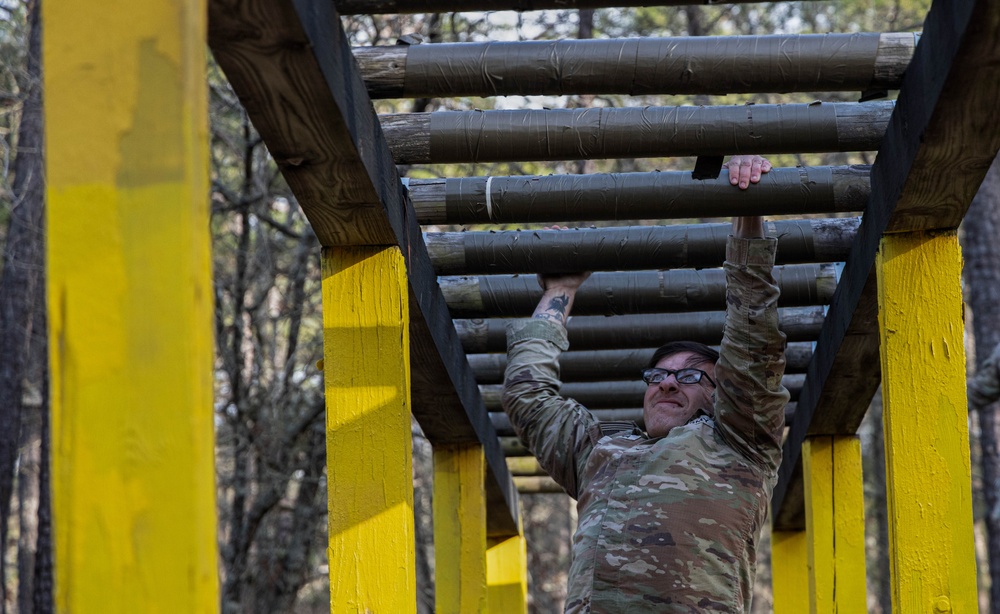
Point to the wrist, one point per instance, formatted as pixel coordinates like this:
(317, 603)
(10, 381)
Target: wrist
(748, 227)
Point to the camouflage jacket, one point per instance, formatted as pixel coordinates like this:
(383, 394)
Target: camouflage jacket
(984, 387)
(666, 524)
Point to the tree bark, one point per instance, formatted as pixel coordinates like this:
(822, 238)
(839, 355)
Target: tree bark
(982, 281)
(20, 286)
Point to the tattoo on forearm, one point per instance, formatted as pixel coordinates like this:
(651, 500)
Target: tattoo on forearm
(558, 304)
(555, 310)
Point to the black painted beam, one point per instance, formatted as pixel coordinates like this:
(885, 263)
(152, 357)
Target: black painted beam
(941, 139)
(291, 66)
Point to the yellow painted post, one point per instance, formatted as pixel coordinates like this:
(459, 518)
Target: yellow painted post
(789, 573)
(507, 575)
(130, 306)
(928, 477)
(835, 524)
(459, 529)
(366, 360)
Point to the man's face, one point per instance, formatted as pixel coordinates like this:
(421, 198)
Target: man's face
(669, 404)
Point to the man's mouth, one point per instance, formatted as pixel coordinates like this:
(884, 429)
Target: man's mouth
(672, 402)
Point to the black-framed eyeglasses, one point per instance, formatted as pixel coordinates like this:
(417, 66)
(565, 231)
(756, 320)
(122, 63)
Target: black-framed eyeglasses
(683, 376)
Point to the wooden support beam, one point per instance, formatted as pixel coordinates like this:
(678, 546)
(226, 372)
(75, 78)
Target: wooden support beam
(512, 446)
(369, 458)
(524, 465)
(943, 120)
(925, 416)
(628, 248)
(598, 332)
(373, 7)
(459, 529)
(687, 65)
(790, 571)
(321, 129)
(636, 196)
(835, 521)
(524, 135)
(130, 307)
(610, 394)
(632, 292)
(507, 575)
(602, 365)
(537, 485)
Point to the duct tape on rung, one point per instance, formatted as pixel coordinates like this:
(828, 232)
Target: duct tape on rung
(489, 198)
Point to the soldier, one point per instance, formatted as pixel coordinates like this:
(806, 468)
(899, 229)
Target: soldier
(669, 519)
(984, 387)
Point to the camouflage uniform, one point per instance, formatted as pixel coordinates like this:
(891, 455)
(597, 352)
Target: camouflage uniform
(984, 387)
(666, 524)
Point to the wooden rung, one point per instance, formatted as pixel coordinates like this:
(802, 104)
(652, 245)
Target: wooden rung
(632, 292)
(596, 332)
(628, 248)
(636, 196)
(606, 395)
(640, 66)
(576, 134)
(603, 365)
(504, 429)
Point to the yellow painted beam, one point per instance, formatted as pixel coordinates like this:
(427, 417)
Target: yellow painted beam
(928, 477)
(459, 528)
(835, 524)
(789, 573)
(507, 575)
(366, 366)
(130, 306)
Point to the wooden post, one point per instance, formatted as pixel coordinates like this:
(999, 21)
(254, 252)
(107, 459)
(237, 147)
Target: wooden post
(835, 524)
(130, 299)
(129, 287)
(789, 572)
(507, 575)
(925, 417)
(369, 456)
(459, 529)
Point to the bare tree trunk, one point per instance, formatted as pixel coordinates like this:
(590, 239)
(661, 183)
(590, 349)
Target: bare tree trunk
(982, 282)
(548, 532)
(27, 507)
(20, 287)
(43, 597)
(874, 474)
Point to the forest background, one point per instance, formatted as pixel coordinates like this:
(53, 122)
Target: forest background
(270, 444)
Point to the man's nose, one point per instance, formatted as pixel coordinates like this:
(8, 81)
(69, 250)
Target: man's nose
(669, 382)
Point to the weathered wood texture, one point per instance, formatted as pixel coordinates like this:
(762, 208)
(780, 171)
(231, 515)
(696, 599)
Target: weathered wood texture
(628, 248)
(944, 119)
(537, 485)
(584, 134)
(639, 331)
(128, 271)
(320, 127)
(610, 364)
(503, 296)
(366, 382)
(373, 7)
(636, 196)
(639, 66)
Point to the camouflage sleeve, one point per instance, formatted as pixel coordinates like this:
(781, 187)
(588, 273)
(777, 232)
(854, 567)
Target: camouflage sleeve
(984, 387)
(558, 431)
(750, 401)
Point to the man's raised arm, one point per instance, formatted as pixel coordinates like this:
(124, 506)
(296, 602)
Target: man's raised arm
(751, 400)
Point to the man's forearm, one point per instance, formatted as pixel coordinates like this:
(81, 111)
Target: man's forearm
(555, 305)
(748, 227)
